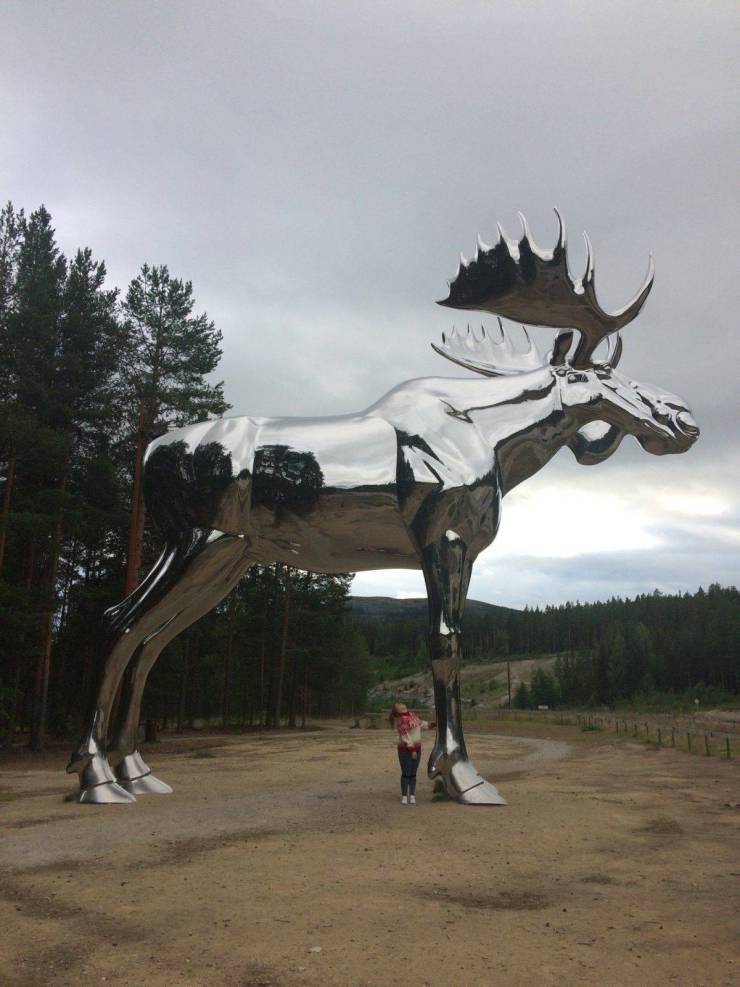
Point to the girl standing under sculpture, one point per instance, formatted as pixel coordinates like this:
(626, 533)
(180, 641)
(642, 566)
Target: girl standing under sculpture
(409, 727)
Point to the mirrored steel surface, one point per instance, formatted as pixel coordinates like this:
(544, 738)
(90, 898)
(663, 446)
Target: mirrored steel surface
(414, 481)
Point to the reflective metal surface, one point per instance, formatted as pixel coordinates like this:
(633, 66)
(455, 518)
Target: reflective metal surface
(415, 481)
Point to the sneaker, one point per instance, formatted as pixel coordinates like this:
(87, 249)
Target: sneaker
(412, 800)
(404, 800)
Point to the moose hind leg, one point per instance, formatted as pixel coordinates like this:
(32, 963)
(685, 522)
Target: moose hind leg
(151, 605)
(210, 576)
(126, 628)
(447, 569)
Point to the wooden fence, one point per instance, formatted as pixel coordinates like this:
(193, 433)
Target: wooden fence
(690, 736)
(663, 734)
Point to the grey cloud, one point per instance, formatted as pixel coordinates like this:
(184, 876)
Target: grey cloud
(315, 169)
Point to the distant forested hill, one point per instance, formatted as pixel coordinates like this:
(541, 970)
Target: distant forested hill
(606, 651)
(388, 608)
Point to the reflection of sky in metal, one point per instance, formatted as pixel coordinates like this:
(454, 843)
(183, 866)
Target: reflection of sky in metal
(624, 542)
(352, 452)
(318, 174)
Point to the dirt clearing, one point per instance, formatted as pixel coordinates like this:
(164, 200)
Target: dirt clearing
(287, 860)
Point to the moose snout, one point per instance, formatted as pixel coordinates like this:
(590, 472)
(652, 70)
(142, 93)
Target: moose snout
(687, 424)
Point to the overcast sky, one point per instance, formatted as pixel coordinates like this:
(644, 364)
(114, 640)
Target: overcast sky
(315, 169)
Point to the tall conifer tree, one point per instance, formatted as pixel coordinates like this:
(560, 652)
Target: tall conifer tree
(171, 353)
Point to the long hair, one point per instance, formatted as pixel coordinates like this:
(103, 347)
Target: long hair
(393, 715)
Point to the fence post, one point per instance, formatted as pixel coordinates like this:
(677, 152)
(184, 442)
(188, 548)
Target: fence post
(688, 740)
(727, 746)
(673, 736)
(660, 739)
(706, 744)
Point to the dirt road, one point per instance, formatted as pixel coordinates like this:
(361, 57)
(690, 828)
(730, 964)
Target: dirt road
(287, 860)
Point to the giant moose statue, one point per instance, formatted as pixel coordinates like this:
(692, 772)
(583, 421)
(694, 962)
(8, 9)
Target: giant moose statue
(414, 482)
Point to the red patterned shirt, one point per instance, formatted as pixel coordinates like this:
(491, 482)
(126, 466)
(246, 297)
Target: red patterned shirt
(409, 728)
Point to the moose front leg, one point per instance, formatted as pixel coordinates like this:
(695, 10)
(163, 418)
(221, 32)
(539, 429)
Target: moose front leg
(447, 569)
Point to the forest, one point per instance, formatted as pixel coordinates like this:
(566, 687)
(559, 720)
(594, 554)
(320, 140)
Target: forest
(89, 374)
(607, 652)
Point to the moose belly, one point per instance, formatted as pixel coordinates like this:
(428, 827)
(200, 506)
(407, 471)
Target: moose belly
(324, 496)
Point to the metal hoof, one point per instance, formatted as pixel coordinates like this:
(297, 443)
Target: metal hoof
(483, 794)
(135, 775)
(109, 793)
(146, 785)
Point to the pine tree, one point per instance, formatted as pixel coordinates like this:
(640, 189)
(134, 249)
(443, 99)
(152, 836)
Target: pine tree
(171, 353)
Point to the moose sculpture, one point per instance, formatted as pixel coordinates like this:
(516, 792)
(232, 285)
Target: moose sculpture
(415, 481)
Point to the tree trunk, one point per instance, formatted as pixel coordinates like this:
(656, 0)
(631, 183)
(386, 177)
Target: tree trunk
(136, 523)
(277, 709)
(227, 665)
(182, 705)
(16, 705)
(43, 664)
(292, 695)
(262, 710)
(7, 494)
(305, 696)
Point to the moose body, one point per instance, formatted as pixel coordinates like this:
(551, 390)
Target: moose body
(416, 481)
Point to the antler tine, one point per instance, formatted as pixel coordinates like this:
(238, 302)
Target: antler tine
(617, 354)
(528, 242)
(588, 274)
(488, 356)
(561, 244)
(613, 350)
(630, 311)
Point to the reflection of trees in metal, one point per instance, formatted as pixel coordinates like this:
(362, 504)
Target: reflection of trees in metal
(184, 486)
(284, 477)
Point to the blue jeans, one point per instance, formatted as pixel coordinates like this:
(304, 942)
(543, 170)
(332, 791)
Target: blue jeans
(409, 767)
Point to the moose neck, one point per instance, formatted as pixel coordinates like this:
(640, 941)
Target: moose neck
(524, 421)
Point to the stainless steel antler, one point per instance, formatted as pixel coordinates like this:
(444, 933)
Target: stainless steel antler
(523, 282)
(488, 356)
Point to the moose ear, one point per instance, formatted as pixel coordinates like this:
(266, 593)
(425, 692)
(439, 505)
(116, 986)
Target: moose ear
(560, 348)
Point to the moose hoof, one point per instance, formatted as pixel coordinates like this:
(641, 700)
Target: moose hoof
(462, 781)
(146, 785)
(135, 775)
(109, 793)
(483, 794)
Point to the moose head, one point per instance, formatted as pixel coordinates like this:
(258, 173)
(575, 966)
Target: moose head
(523, 282)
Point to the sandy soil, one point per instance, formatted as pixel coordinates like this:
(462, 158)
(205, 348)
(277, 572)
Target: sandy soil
(287, 860)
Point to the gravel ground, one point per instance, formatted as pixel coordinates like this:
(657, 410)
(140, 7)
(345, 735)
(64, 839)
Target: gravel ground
(287, 860)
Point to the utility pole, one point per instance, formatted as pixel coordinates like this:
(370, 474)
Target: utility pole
(508, 679)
